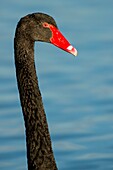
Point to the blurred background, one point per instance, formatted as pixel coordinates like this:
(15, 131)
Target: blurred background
(77, 92)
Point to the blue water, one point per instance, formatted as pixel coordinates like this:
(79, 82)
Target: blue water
(77, 92)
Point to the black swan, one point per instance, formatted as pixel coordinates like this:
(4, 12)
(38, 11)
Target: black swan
(31, 28)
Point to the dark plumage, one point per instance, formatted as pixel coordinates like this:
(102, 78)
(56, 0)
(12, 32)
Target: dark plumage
(31, 28)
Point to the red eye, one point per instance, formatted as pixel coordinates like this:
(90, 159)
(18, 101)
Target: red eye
(46, 25)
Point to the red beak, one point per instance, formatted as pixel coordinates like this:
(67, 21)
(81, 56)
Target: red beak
(60, 41)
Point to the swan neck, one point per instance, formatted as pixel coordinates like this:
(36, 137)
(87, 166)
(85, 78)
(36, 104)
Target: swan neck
(39, 149)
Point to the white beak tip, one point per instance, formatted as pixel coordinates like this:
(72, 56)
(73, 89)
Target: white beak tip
(72, 50)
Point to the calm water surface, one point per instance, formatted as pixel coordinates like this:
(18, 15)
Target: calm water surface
(77, 92)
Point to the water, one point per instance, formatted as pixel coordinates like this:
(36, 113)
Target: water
(77, 92)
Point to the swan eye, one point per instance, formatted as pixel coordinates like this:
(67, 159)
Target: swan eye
(46, 25)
